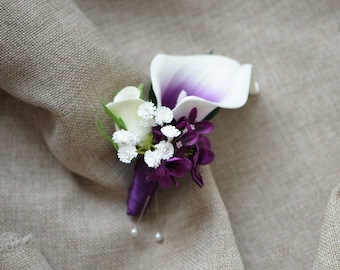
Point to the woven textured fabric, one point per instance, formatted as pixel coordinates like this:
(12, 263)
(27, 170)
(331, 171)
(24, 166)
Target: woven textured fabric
(61, 180)
(328, 256)
(17, 253)
(277, 158)
(52, 57)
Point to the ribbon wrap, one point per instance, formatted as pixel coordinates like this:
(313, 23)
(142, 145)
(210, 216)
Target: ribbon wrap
(141, 188)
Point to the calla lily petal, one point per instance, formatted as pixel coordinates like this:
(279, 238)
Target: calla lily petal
(201, 81)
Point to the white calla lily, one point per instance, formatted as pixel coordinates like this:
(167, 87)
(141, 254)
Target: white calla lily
(202, 81)
(125, 105)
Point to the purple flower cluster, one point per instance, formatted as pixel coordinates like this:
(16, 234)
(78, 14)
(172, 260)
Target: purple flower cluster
(192, 148)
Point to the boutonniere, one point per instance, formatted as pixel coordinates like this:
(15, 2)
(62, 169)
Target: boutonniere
(166, 135)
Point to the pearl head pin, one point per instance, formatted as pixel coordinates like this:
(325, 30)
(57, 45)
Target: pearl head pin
(159, 237)
(134, 232)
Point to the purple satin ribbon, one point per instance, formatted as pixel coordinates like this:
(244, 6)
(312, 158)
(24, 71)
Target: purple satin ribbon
(140, 189)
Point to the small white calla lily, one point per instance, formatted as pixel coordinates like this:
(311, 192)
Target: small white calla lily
(125, 105)
(202, 81)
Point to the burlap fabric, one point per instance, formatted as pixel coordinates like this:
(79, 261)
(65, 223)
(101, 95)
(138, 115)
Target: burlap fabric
(328, 256)
(16, 252)
(277, 159)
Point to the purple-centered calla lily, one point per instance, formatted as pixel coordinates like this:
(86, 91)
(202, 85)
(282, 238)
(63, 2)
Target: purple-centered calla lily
(202, 81)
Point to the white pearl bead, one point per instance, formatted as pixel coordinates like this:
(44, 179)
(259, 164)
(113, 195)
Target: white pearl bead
(159, 237)
(134, 232)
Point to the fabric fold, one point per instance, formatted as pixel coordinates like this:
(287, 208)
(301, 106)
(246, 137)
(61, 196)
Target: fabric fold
(18, 253)
(328, 255)
(52, 57)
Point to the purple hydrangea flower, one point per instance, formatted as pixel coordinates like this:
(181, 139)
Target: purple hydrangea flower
(195, 143)
(191, 148)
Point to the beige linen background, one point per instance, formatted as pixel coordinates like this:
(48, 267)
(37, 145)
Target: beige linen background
(277, 159)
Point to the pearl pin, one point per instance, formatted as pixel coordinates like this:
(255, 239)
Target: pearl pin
(159, 237)
(134, 232)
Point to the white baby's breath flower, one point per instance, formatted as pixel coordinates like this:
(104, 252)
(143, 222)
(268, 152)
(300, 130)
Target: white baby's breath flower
(125, 137)
(127, 153)
(148, 122)
(152, 158)
(146, 110)
(170, 131)
(163, 115)
(165, 149)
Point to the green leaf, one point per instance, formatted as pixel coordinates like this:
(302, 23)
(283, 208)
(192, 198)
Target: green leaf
(212, 114)
(118, 120)
(140, 87)
(152, 96)
(211, 52)
(103, 132)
